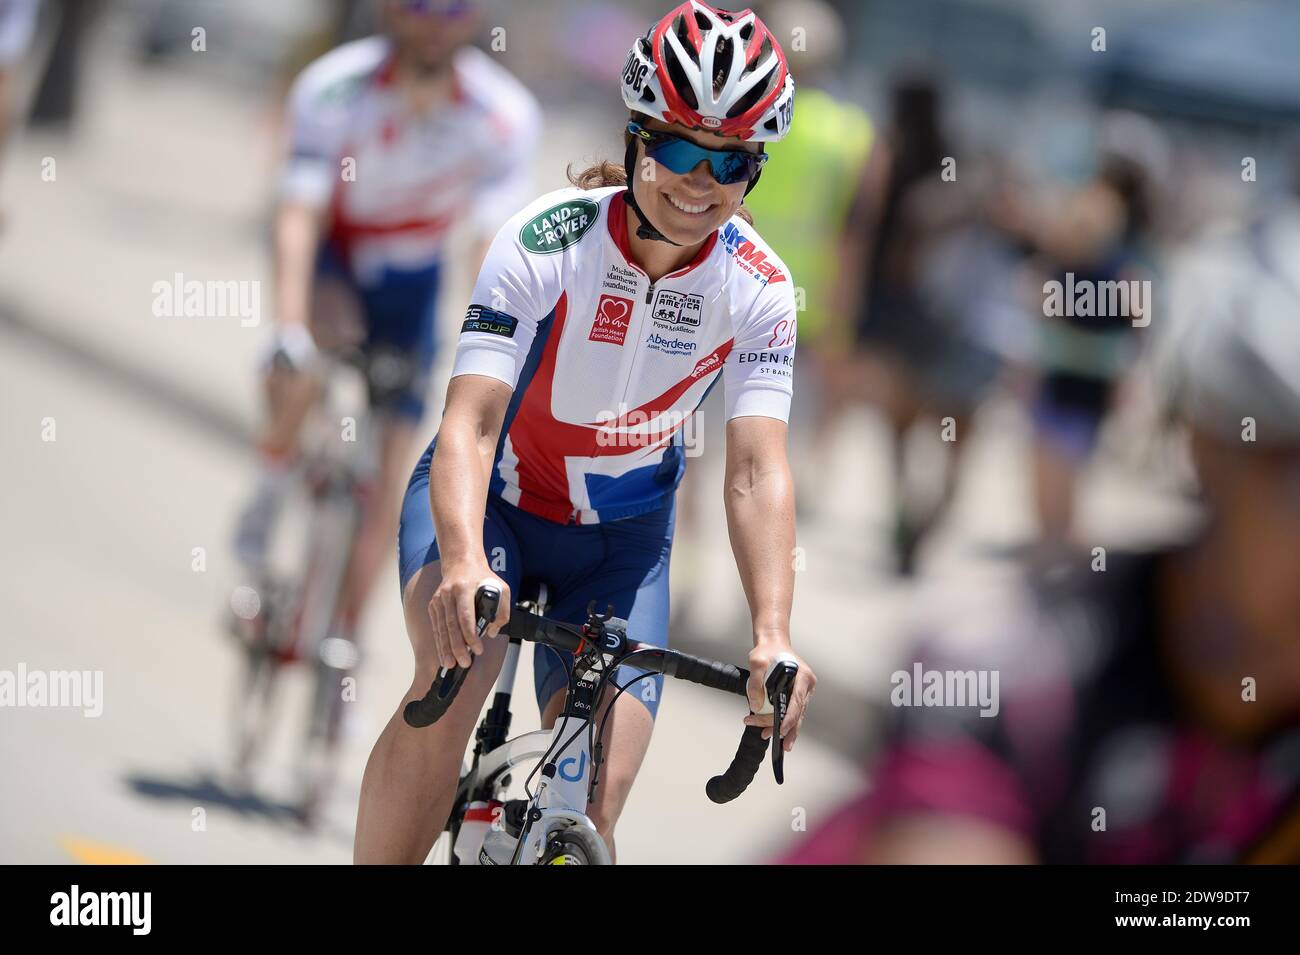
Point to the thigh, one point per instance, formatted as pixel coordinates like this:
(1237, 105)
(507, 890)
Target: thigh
(631, 576)
(400, 319)
(417, 544)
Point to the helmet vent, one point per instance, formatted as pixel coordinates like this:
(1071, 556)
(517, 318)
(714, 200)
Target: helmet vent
(749, 100)
(680, 29)
(723, 58)
(702, 21)
(677, 77)
(747, 31)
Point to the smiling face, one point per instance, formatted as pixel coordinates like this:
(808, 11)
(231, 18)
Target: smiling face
(687, 208)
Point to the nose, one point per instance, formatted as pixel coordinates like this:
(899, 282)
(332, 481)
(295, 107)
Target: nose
(701, 177)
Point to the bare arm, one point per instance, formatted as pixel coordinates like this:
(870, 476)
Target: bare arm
(458, 485)
(296, 238)
(759, 495)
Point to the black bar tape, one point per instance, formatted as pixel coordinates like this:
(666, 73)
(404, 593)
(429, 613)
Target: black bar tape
(749, 756)
(710, 673)
(429, 709)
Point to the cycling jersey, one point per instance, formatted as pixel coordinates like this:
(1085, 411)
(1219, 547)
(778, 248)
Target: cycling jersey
(396, 182)
(607, 366)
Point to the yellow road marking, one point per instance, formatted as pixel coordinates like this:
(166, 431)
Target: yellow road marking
(100, 853)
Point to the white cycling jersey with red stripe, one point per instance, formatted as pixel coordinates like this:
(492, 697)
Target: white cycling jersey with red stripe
(606, 366)
(396, 181)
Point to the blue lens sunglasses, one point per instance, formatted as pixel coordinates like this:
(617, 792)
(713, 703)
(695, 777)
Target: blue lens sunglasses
(679, 155)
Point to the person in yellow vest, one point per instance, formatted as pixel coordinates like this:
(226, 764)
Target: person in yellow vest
(804, 205)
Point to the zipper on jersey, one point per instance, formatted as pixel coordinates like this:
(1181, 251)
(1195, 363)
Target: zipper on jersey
(649, 293)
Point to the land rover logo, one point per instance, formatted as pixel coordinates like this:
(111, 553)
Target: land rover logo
(559, 226)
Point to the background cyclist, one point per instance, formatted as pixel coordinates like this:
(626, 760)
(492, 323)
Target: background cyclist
(592, 301)
(392, 140)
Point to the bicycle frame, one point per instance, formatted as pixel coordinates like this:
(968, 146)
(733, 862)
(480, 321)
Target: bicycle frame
(554, 826)
(560, 802)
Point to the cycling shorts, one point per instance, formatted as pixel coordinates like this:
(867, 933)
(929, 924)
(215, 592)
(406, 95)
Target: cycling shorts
(398, 310)
(623, 563)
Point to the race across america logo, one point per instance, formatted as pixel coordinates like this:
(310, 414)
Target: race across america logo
(749, 257)
(612, 317)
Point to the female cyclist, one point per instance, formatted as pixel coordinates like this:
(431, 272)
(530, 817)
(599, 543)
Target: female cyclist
(602, 316)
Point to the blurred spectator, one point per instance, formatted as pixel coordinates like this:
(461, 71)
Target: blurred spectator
(1146, 710)
(57, 93)
(802, 207)
(910, 364)
(17, 23)
(1101, 233)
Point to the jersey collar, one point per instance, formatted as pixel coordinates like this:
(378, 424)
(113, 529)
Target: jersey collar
(618, 232)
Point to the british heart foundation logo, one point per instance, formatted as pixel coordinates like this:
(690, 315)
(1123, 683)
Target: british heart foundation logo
(611, 321)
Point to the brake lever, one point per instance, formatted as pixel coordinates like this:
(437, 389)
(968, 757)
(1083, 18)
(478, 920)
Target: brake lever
(779, 681)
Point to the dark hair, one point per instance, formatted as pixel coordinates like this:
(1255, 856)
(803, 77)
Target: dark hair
(606, 173)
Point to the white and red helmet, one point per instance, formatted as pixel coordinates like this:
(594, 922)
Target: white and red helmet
(705, 68)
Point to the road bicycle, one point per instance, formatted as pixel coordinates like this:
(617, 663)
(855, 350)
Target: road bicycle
(550, 826)
(293, 620)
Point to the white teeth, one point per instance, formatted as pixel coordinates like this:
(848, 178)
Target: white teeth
(693, 210)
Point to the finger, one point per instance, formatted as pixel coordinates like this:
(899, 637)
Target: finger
(754, 691)
(469, 628)
(461, 624)
(440, 644)
(789, 740)
(503, 611)
(795, 715)
(758, 719)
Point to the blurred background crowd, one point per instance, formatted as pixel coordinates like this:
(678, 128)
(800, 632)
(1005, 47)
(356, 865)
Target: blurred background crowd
(951, 439)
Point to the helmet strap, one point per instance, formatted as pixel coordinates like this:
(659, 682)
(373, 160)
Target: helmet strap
(645, 230)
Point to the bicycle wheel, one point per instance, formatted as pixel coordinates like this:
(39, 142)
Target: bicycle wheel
(251, 706)
(567, 848)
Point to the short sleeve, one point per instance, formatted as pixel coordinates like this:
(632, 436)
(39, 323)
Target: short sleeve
(758, 378)
(508, 183)
(316, 131)
(515, 291)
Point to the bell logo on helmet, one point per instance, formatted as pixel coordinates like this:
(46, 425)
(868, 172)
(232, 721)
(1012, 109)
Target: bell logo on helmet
(559, 226)
(710, 122)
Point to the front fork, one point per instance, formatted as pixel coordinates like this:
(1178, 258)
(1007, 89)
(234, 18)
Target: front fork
(568, 778)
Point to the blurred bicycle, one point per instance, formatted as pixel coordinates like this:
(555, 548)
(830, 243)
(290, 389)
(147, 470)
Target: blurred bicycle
(291, 619)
